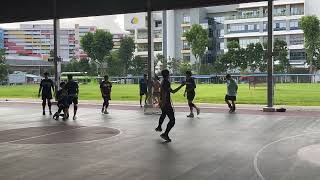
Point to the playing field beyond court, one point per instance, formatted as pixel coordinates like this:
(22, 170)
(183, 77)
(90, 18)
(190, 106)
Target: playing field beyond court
(285, 94)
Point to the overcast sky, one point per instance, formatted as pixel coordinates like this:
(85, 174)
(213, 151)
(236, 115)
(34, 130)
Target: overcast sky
(115, 23)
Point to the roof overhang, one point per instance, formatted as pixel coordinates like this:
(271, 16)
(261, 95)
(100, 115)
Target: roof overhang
(31, 10)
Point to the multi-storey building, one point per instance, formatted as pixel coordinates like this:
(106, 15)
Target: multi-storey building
(1, 39)
(37, 40)
(245, 23)
(136, 25)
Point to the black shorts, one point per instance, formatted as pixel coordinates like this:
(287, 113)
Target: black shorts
(190, 96)
(143, 93)
(73, 99)
(46, 96)
(230, 98)
(106, 97)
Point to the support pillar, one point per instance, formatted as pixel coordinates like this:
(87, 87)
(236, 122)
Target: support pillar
(270, 82)
(148, 108)
(56, 47)
(164, 38)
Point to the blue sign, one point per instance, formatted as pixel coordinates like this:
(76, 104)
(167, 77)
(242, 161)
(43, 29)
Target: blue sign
(1, 39)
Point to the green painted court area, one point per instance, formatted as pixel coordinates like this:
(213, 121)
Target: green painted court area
(285, 94)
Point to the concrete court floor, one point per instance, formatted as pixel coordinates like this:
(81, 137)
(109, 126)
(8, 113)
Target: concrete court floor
(216, 145)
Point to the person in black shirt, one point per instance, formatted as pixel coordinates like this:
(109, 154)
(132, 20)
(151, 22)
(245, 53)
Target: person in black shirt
(45, 90)
(190, 92)
(143, 86)
(166, 105)
(62, 97)
(105, 88)
(73, 92)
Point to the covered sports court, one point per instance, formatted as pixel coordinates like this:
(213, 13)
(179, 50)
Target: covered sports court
(247, 145)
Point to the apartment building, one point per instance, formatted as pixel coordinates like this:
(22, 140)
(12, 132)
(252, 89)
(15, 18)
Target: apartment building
(245, 23)
(36, 40)
(136, 25)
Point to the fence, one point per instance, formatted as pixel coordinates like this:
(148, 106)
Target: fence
(241, 78)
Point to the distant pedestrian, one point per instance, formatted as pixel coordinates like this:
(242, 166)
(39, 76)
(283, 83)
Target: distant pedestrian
(73, 93)
(62, 97)
(166, 105)
(45, 89)
(191, 93)
(156, 90)
(105, 88)
(143, 85)
(232, 90)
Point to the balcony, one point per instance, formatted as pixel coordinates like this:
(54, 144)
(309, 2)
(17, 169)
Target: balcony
(243, 17)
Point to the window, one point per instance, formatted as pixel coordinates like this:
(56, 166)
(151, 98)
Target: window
(236, 28)
(158, 46)
(210, 33)
(297, 10)
(158, 23)
(280, 26)
(221, 33)
(185, 29)
(294, 25)
(297, 55)
(281, 38)
(296, 39)
(280, 11)
(245, 42)
(185, 45)
(186, 58)
(222, 46)
(186, 18)
(219, 19)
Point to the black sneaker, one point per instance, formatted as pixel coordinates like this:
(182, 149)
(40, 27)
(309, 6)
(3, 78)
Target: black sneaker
(50, 113)
(190, 116)
(158, 129)
(165, 137)
(44, 113)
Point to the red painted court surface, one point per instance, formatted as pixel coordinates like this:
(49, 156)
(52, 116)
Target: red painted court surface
(247, 145)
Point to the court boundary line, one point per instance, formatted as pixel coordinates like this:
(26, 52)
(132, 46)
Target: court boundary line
(255, 161)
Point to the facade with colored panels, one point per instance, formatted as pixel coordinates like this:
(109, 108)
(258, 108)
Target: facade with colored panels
(1, 39)
(37, 40)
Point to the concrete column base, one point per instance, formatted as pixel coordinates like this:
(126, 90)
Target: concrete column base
(269, 109)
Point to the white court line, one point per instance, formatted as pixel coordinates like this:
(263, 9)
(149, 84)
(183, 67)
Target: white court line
(255, 161)
(130, 105)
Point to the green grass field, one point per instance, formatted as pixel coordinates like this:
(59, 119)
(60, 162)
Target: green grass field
(285, 94)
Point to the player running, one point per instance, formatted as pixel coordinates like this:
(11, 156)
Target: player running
(190, 92)
(45, 90)
(105, 88)
(73, 92)
(166, 105)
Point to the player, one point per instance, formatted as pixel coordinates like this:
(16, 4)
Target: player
(105, 88)
(73, 92)
(45, 89)
(190, 92)
(166, 105)
(143, 84)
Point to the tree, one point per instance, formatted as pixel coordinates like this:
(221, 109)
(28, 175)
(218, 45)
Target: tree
(185, 66)
(83, 65)
(198, 39)
(311, 28)
(126, 50)
(174, 66)
(137, 66)
(281, 56)
(220, 64)
(254, 56)
(115, 65)
(97, 46)
(3, 66)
